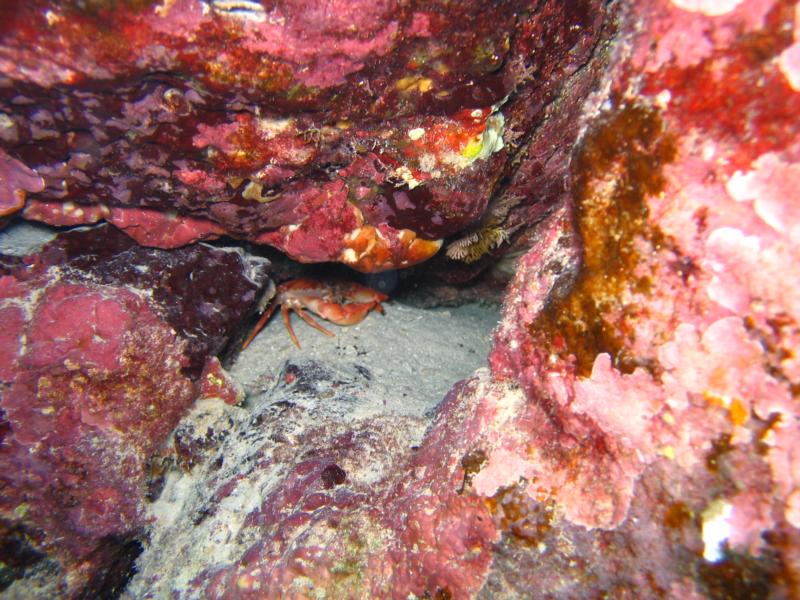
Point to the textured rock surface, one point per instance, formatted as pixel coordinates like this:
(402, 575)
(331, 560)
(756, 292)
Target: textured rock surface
(289, 497)
(652, 456)
(636, 435)
(104, 347)
(635, 432)
(357, 132)
(341, 425)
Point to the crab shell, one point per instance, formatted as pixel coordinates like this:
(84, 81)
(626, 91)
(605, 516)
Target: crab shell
(343, 303)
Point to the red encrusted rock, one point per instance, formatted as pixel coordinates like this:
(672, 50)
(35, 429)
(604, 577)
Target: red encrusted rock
(94, 387)
(636, 434)
(304, 495)
(154, 228)
(364, 133)
(202, 293)
(15, 180)
(96, 371)
(660, 386)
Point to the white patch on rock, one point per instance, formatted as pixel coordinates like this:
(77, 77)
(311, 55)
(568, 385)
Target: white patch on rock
(716, 529)
(416, 133)
(711, 8)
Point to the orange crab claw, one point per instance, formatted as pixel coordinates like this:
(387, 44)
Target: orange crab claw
(346, 303)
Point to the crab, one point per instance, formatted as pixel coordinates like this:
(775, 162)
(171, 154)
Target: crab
(343, 303)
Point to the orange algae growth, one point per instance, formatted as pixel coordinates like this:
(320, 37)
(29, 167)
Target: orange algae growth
(472, 463)
(240, 68)
(527, 520)
(617, 167)
(719, 448)
(678, 515)
(740, 576)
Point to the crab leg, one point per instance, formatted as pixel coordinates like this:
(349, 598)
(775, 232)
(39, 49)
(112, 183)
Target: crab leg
(308, 319)
(288, 323)
(260, 325)
(343, 304)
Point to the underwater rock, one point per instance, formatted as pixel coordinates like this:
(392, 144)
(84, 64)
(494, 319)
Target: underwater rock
(636, 435)
(16, 179)
(284, 497)
(363, 133)
(652, 453)
(631, 170)
(105, 345)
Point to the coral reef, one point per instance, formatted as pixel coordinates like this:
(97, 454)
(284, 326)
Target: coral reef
(630, 169)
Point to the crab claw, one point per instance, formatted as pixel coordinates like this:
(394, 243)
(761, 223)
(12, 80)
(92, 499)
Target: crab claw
(346, 303)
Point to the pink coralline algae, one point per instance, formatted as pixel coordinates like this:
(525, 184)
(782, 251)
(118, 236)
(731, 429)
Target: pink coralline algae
(95, 374)
(662, 385)
(632, 169)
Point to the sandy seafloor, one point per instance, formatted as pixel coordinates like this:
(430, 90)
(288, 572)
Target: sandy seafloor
(413, 355)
